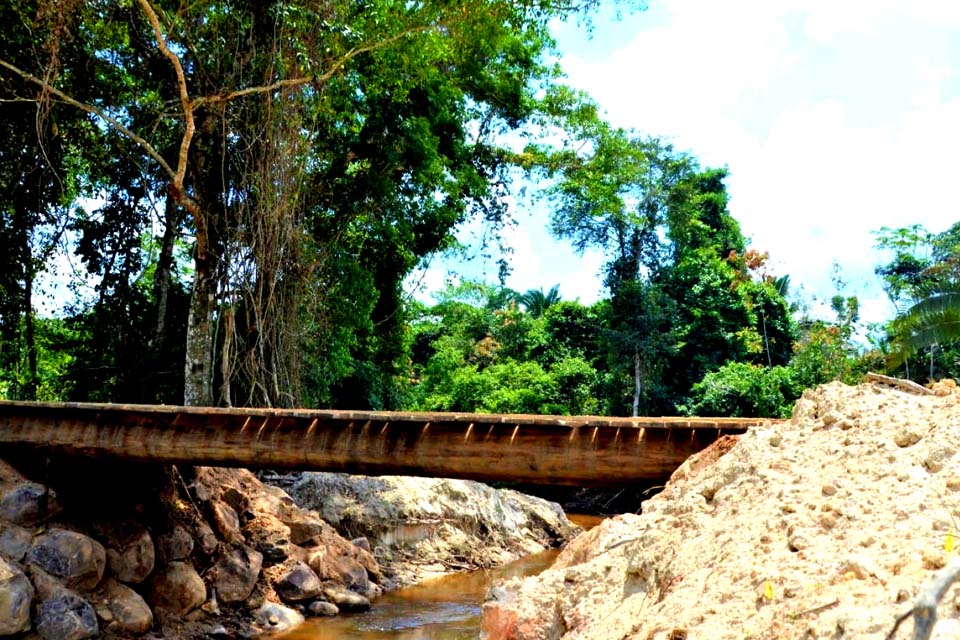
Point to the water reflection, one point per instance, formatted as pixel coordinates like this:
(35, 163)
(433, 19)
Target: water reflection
(445, 608)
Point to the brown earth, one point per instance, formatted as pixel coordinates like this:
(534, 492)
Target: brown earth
(826, 526)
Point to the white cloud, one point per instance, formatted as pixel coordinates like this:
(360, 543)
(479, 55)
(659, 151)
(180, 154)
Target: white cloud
(834, 118)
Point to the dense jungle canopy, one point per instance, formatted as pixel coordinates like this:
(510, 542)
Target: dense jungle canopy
(234, 193)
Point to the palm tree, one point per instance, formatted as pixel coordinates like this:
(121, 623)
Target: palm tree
(536, 302)
(932, 321)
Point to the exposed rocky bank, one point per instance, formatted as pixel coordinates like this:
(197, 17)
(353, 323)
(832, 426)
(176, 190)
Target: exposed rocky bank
(94, 549)
(826, 526)
(420, 528)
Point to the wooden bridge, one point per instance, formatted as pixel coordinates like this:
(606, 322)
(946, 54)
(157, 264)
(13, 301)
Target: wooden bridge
(580, 451)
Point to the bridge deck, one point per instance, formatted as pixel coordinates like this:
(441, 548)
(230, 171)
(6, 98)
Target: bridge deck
(580, 450)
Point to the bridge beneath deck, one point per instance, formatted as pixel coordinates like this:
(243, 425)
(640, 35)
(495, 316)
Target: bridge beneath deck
(570, 450)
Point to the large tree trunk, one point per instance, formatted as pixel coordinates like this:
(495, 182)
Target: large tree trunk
(197, 381)
(29, 334)
(636, 383)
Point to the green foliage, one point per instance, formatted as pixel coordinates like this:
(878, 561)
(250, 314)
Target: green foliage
(747, 390)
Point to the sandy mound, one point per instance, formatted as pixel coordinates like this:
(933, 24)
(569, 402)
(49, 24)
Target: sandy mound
(826, 526)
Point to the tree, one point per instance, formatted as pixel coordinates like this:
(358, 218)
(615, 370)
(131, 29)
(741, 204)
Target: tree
(536, 302)
(922, 280)
(302, 145)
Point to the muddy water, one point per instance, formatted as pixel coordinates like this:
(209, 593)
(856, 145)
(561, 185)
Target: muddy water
(446, 608)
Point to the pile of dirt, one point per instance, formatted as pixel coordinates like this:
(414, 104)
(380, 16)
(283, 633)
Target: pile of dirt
(826, 526)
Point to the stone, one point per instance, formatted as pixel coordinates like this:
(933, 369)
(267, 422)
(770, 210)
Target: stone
(270, 537)
(346, 600)
(28, 503)
(177, 589)
(298, 584)
(362, 543)
(303, 526)
(320, 608)
(235, 575)
(133, 561)
(207, 539)
(14, 542)
(16, 594)
(123, 607)
(275, 618)
(225, 522)
(76, 559)
(906, 436)
(176, 545)
(332, 567)
(66, 616)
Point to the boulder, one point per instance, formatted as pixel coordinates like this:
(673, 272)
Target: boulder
(133, 558)
(16, 594)
(225, 522)
(120, 607)
(66, 616)
(176, 545)
(28, 503)
(271, 537)
(76, 559)
(298, 584)
(177, 589)
(235, 575)
(321, 608)
(346, 600)
(14, 542)
(276, 618)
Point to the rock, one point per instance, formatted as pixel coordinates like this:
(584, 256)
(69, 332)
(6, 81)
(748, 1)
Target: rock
(16, 594)
(177, 588)
(66, 616)
(76, 559)
(303, 526)
(346, 600)
(14, 542)
(319, 608)
(428, 520)
(28, 503)
(361, 543)
(235, 574)
(276, 618)
(299, 583)
(339, 568)
(207, 539)
(122, 607)
(176, 545)
(906, 436)
(271, 537)
(134, 558)
(225, 522)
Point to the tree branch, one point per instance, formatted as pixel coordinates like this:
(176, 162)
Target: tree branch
(190, 128)
(89, 108)
(302, 80)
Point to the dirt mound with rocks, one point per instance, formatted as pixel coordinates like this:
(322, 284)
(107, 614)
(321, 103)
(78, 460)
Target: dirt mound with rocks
(110, 550)
(826, 526)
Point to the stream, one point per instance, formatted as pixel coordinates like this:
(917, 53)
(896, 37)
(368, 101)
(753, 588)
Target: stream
(446, 608)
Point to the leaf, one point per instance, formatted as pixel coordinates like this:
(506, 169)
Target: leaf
(768, 592)
(951, 542)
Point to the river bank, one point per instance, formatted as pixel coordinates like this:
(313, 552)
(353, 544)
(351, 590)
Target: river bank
(98, 549)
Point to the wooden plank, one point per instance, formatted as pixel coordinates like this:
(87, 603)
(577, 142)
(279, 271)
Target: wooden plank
(580, 451)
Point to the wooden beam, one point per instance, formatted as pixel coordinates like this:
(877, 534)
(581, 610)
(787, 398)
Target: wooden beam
(579, 451)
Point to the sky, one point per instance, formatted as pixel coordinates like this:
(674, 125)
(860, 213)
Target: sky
(834, 118)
